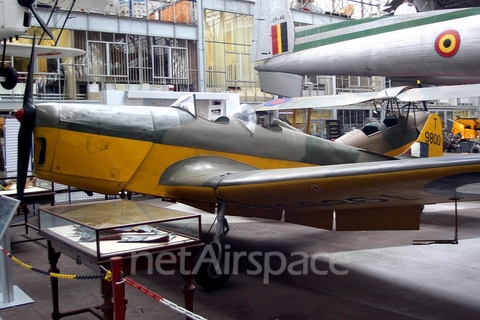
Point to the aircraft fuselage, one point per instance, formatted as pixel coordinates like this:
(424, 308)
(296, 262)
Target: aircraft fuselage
(133, 148)
(426, 44)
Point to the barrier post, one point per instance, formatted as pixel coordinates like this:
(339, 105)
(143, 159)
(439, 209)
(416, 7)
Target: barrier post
(118, 285)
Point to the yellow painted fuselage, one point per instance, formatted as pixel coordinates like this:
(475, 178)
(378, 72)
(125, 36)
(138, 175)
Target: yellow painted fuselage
(255, 171)
(109, 149)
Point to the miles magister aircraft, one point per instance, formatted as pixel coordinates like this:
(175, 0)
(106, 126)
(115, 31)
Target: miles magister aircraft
(398, 132)
(437, 47)
(232, 164)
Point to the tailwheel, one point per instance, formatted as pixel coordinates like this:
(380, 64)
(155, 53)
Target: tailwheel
(212, 267)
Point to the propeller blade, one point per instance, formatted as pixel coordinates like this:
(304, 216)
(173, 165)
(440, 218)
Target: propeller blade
(26, 116)
(29, 4)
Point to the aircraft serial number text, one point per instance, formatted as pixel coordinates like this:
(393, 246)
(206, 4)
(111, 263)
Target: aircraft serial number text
(279, 18)
(348, 201)
(433, 138)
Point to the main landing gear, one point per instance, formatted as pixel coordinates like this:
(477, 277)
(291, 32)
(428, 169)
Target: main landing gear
(212, 267)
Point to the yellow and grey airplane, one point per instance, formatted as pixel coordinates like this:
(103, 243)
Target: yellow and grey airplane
(398, 133)
(437, 47)
(233, 164)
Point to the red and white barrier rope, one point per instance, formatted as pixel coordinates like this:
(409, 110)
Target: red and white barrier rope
(163, 300)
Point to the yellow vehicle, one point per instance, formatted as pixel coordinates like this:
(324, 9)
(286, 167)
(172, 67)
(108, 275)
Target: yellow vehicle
(465, 135)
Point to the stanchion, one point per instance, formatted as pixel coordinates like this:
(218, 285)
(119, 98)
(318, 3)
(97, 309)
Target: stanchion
(118, 284)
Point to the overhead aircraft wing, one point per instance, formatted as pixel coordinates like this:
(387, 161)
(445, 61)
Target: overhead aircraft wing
(406, 94)
(316, 102)
(339, 187)
(437, 93)
(326, 101)
(48, 52)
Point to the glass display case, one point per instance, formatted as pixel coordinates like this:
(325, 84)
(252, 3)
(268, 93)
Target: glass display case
(36, 190)
(100, 230)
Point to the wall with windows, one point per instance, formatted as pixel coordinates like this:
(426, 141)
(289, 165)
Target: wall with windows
(228, 67)
(124, 61)
(132, 60)
(112, 61)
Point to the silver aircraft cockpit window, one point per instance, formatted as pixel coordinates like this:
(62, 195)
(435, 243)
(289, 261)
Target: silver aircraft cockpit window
(245, 114)
(186, 102)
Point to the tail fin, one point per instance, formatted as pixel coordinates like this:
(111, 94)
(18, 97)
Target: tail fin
(273, 29)
(430, 140)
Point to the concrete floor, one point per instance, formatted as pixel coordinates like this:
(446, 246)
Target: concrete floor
(361, 275)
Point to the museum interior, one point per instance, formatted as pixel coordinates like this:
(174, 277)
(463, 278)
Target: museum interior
(141, 53)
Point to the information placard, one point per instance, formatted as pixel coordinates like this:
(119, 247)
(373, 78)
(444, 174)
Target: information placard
(8, 207)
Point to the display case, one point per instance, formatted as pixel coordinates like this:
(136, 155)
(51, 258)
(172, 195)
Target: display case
(36, 190)
(104, 229)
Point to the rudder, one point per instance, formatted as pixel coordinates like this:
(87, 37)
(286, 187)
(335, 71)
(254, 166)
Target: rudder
(273, 29)
(430, 140)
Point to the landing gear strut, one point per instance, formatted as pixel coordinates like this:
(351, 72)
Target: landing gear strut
(455, 236)
(212, 266)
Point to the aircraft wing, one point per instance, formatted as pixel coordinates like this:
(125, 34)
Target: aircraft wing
(326, 101)
(48, 52)
(437, 93)
(316, 102)
(406, 94)
(398, 183)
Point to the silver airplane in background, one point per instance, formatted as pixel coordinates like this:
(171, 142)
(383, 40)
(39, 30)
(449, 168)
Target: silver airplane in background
(438, 47)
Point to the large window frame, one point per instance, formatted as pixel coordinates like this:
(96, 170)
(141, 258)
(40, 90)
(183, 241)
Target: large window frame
(104, 59)
(170, 63)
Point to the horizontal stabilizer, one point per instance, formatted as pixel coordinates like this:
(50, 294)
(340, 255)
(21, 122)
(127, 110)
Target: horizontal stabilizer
(282, 84)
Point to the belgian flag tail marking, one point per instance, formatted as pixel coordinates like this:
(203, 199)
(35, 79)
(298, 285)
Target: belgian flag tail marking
(279, 38)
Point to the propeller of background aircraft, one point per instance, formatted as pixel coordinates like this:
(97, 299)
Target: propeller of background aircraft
(26, 117)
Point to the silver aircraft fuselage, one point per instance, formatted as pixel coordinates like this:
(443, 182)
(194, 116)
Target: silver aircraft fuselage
(443, 43)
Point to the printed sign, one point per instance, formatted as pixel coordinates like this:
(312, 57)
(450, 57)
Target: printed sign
(8, 207)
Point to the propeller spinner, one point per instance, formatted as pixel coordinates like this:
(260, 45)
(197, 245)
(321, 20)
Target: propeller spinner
(26, 117)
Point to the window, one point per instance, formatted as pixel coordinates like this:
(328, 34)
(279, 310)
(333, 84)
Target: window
(107, 58)
(170, 63)
(239, 67)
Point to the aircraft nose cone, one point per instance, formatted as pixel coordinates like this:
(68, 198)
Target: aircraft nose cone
(19, 115)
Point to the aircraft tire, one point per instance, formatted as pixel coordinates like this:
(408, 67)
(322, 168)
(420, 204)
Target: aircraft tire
(206, 276)
(475, 149)
(11, 78)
